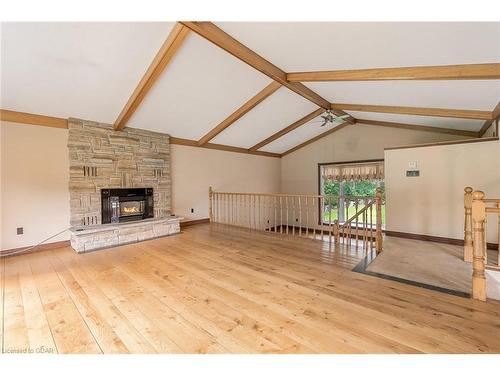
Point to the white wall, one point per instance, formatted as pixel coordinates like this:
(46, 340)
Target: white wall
(34, 183)
(195, 169)
(299, 170)
(432, 204)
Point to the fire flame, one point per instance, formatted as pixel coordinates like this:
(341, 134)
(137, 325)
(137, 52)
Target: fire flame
(130, 210)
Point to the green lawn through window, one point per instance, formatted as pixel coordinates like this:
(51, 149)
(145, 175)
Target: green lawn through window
(351, 212)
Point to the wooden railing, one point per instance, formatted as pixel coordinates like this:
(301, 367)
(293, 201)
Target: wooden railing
(335, 218)
(477, 210)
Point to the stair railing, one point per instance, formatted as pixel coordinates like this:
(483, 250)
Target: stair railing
(477, 210)
(312, 216)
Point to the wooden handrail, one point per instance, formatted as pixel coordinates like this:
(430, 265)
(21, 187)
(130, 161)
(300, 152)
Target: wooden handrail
(356, 215)
(491, 200)
(352, 197)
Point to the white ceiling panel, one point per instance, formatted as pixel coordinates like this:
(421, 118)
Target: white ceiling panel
(297, 136)
(441, 122)
(304, 46)
(477, 95)
(200, 87)
(275, 113)
(79, 69)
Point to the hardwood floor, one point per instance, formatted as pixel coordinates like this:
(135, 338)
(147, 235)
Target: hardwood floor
(218, 289)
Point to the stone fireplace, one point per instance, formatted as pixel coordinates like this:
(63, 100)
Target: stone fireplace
(120, 185)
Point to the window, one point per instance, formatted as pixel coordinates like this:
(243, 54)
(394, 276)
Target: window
(359, 179)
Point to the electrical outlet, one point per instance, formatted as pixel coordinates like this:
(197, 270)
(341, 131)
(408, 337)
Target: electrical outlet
(192, 210)
(20, 230)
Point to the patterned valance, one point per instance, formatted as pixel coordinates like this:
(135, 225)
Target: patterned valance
(354, 172)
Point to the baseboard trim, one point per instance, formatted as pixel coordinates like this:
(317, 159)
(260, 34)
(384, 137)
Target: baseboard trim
(194, 222)
(45, 246)
(425, 237)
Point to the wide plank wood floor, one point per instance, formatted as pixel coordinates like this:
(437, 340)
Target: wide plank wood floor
(220, 289)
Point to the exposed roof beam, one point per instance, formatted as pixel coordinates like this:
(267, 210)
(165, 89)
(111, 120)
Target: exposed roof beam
(214, 146)
(33, 119)
(465, 133)
(333, 130)
(418, 111)
(494, 114)
(263, 94)
(220, 38)
(156, 68)
(444, 72)
(288, 129)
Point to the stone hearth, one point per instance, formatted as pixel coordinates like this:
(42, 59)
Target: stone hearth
(88, 238)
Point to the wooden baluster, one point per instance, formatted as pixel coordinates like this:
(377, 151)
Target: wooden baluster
(339, 201)
(281, 214)
(322, 210)
(260, 209)
(307, 215)
(275, 214)
(498, 260)
(337, 231)
(371, 225)
(287, 214)
(231, 209)
(222, 208)
(210, 198)
(364, 228)
(300, 216)
(478, 240)
(356, 206)
(378, 200)
(250, 211)
(468, 224)
(346, 204)
(329, 217)
(255, 211)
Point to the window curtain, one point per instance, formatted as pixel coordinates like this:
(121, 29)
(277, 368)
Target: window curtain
(354, 172)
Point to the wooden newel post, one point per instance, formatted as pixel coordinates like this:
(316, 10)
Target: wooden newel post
(210, 198)
(468, 224)
(378, 201)
(478, 242)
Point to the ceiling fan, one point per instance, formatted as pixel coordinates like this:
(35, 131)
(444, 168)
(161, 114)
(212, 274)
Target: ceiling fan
(331, 118)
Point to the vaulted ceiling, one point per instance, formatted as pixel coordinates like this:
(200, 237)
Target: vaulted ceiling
(204, 92)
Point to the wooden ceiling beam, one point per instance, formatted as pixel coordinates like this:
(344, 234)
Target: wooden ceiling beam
(220, 38)
(288, 129)
(215, 146)
(495, 114)
(443, 72)
(240, 112)
(322, 135)
(465, 133)
(156, 68)
(33, 119)
(417, 111)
